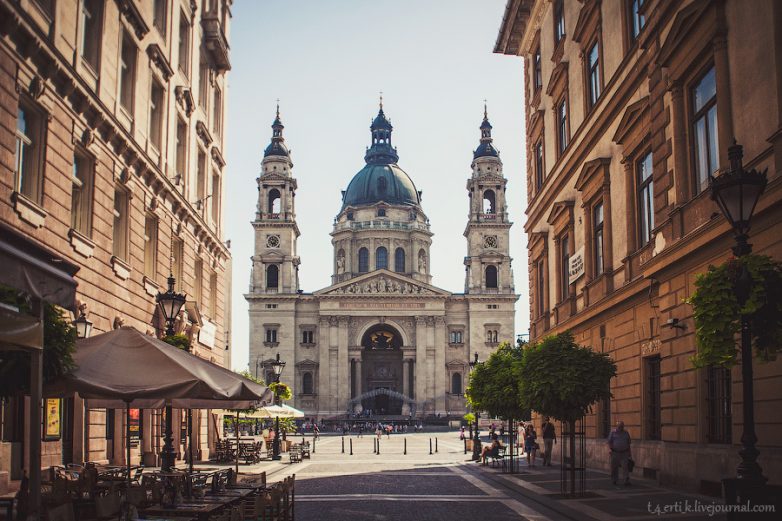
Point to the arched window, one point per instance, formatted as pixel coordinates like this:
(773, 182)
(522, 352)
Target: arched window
(488, 201)
(272, 276)
(456, 383)
(275, 203)
(399, 260)
(306, 383)
(381, 258)
(382, 185)
(363, 260)
(491, 276)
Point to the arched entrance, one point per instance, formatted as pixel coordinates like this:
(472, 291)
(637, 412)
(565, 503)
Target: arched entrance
(382, 370)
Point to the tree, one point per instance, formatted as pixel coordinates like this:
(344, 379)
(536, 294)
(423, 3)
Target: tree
(559, 378)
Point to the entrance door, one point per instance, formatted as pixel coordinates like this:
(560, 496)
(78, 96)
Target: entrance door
(381, 403)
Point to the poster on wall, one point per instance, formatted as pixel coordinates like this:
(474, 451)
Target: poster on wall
(52, 426)
(135, 427)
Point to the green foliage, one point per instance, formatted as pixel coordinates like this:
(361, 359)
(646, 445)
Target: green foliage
(717, 312)
(561, 379)
(281, 390)
(469, 417)
(287, 425)
(59, 344)
(493, 384)
(179, 340)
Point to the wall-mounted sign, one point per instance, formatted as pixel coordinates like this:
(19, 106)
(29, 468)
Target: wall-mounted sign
(206, 335)
(576, 266)
(52, 427)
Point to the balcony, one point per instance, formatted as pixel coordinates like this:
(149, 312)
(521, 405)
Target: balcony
(216, 42)
(380, 224)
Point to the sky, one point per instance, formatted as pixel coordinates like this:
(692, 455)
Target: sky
(327, 62)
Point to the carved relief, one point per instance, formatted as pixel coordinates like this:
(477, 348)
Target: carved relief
(383, 285)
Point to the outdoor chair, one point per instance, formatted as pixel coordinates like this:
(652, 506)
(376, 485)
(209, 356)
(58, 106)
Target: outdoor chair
(305, 449)
(295, 454)
(497, 457)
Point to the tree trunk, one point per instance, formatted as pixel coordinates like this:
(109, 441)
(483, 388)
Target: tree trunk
(572, 436)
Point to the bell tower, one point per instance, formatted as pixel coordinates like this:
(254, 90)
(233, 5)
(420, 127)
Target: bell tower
(488, 263)
(275, 261)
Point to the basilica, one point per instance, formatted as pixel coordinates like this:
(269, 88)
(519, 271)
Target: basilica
(380, 337)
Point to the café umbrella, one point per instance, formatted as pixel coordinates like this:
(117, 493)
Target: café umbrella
(126, 367)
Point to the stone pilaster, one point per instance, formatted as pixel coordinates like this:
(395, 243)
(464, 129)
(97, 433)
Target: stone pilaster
(323, 367)
(343, 364)
(406, 377)
(420, 362)
(440, 375)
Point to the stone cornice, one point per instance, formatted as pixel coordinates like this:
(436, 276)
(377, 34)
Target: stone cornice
(132, 14)
(157, 57)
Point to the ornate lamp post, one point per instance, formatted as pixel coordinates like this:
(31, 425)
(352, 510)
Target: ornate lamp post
(170, 304)
(736, 192)
(83, 325)
(476, 441)
(277, 366)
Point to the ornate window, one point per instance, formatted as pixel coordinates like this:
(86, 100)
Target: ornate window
(363, 260)
(537, 69)
(272, 276)
(704, 128)
(307, 385)
(597, 239)
(381, 258)
(718, 402)
(491, 277)
(150, 246)
(593, 73)
(159, 15)
(636, 20)
(156, 110)
(127, 78)
(184, 45)
(562, 126)
(540, 287)
(28, 161)
(89, 43)
(559, 22)
(652, 398)
(564, 267)
(456, 336)
(643, 168)
(120, 226)
(456, 383)
(539, 165)
(399, 260)
(270, 335)
(275, 202)
(81, 196)
(488, 202)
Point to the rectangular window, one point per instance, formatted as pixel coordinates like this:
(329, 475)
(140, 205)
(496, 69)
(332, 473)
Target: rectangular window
(184, 45)
(307, 336)
(181, 150)
(718, 398)
(159, 17)
(150, 246)
(562, 130)
(271, 335)
(198, 286)
(27, 161)
(597, 220)
(201, 179)
(127, 74)
(593, 73)
(564, 276)
(637, 20)
(217, 111)
(457, 337)
(215, 200)
(704, 122)
(46, 6)
(81, 195)
(605, 417)
(177, 261)
(559, 22)
(156, 108)
(538, 70)
(120, 230)
(652, 407)
(539, 173)
(203, 83)
(541, 288)
(213, 295)
(645, 199)
(89, 43)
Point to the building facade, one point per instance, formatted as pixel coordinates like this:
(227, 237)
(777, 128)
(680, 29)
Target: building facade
(381, 337)
(630, 106)
(112, 155)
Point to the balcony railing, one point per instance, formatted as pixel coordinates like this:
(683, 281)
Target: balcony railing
(215, 41)
(378, 224)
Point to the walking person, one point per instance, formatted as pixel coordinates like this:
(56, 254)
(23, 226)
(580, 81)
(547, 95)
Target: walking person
(619, 447)
(549, 439)
(530, 445)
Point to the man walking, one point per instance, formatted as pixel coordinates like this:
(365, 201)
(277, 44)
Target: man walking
(549, 439)
(619, 445)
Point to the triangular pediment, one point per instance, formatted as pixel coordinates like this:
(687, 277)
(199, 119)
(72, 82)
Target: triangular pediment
(683, 26)
(383, 283)
(635, 114)
(558, 209)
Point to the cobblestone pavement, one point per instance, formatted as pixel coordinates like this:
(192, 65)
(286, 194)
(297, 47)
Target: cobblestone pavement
(332, 486)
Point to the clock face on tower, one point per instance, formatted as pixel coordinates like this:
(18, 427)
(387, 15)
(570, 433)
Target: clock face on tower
(490, 241)
(273, 241)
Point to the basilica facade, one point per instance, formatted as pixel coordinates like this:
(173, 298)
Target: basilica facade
(380, 336)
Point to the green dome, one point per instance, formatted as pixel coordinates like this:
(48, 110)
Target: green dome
(375, 183)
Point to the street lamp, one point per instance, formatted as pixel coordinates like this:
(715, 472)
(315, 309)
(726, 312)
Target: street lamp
(277, 367)
(170, 304)
(83, 326)
(736, 192)
(476, 441)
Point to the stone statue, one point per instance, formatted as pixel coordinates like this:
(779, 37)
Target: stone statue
(118, 322)
(340, 264)
(181, 321)
(422, 262)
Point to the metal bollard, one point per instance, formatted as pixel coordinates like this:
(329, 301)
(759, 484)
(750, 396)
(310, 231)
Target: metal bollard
(313, 444)
(378, 447)
(405, 453)
(343, 445)
(430, 446)
(435, 445)
(374, 446)
(351, 446)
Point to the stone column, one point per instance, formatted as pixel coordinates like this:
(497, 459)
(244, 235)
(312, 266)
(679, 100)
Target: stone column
(440, 376)
(359, 378)
(323, 365)
(343, 365)
(430, 361)
(682, 178)
(406, 377)
(420, 362)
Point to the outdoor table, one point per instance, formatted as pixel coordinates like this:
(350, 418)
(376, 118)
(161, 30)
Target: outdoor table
(201, 511)
(233, 493)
